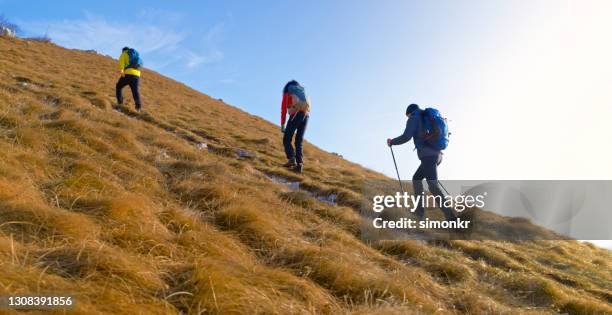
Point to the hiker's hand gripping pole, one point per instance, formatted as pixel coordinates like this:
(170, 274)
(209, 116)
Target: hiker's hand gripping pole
(396, 170)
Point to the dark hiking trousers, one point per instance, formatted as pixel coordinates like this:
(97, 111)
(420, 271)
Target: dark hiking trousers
(296, 124)
(429, 170)
(133, 82)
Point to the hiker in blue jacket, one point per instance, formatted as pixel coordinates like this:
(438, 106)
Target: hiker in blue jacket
(429, 156)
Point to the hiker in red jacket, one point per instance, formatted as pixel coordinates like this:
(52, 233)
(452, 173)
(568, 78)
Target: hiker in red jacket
(296, 104)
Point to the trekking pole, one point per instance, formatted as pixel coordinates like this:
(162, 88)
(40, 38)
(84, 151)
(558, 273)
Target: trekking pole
(439, 182)
(396, 170)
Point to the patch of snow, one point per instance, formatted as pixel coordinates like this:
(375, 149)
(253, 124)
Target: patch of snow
(279, 180)
(244, 153)
(331, 199)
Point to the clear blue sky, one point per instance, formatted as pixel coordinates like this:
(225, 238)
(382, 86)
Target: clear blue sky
(510, 75)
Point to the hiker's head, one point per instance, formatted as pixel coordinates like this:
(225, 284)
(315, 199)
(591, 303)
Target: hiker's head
(290, 83)
(125, 48)
(411, 109)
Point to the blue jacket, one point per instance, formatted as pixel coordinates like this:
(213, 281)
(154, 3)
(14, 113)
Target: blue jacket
(414, 130)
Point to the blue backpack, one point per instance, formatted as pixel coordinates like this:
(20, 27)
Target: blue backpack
(135, 61)
(436, 129)
(298, 91)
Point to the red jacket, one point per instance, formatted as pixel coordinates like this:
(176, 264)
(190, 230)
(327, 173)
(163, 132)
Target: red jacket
(287, 102)
(292, 104)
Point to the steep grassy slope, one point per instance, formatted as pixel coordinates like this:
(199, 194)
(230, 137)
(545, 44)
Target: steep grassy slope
(130, 214)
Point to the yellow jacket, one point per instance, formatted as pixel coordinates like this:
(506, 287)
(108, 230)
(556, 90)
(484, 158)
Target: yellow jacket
(124, 61)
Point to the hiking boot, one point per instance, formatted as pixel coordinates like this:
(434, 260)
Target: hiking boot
(290, 163)
(298, 168)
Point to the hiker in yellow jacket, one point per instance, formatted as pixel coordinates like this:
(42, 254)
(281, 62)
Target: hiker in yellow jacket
(129, 65)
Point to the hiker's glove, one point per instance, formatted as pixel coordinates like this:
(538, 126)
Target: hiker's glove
(283, 128)
(389, 142)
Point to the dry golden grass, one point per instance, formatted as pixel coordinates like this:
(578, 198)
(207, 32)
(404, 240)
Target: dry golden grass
(124, 211)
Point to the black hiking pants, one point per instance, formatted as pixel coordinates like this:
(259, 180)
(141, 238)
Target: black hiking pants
(133, 81)
(429, 170)
(296, 124)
